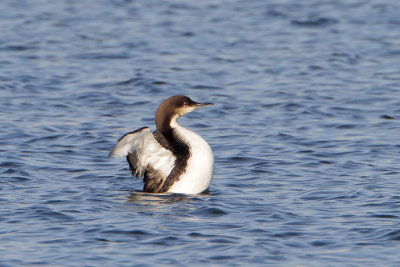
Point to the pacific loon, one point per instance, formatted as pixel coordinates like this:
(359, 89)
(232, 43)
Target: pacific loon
(172, 158)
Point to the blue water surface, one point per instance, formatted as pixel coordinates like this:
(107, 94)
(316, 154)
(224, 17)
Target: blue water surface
(305, 132)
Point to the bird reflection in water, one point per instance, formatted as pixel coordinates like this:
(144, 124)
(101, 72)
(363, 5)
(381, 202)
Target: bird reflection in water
(160, 200)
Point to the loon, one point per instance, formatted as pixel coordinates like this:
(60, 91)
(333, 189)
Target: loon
(172, 159)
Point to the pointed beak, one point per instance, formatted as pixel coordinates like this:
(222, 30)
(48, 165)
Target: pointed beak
(199, 105)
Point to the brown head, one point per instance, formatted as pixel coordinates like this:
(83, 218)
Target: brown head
(173, 108)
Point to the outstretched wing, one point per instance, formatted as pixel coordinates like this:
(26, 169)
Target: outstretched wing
(146, 157)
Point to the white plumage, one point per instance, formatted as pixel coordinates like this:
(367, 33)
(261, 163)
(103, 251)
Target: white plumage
(198, 174)
(171, 159)
(148, 151)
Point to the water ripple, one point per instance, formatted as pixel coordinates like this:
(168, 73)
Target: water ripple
(304, 131)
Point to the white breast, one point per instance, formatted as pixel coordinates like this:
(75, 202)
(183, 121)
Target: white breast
(200, 166)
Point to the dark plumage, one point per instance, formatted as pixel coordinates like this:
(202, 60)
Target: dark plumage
(145, 151)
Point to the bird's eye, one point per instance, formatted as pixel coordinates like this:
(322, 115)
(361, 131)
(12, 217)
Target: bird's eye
(185, 104)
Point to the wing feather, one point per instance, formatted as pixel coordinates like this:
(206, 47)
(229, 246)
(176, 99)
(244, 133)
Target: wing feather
(146, 157)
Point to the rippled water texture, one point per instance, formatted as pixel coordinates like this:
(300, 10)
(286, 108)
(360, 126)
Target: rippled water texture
(305, 132)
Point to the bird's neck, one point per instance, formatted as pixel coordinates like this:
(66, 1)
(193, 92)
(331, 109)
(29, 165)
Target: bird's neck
(168, 134)
(166, 122)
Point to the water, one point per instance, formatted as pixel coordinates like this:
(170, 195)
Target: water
(305, 132)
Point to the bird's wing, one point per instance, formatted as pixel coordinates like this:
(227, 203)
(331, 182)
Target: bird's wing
(146, 157)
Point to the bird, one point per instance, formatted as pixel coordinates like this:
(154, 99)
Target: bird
(171, 159)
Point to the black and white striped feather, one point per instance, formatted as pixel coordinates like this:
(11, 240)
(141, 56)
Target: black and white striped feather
(146, 157)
